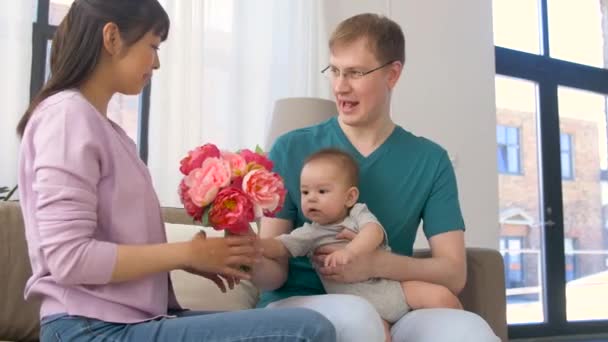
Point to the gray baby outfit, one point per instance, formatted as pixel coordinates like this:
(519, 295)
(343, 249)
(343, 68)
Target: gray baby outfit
(385, 295)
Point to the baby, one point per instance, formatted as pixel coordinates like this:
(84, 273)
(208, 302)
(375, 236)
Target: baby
(329, 194)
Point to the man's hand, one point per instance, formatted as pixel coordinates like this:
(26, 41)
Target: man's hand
(340, 257)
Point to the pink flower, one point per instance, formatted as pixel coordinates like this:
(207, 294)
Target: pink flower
(238, 164)
(192, 210)
(231, 210)
(266, 190)
(256, 160)
(206, 181)
(195, 159)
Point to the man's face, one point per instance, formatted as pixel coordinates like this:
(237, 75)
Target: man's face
(362, 100)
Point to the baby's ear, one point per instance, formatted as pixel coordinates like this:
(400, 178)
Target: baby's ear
(352, 196)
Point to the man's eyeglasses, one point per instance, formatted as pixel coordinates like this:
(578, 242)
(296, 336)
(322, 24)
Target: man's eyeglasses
(333, 73)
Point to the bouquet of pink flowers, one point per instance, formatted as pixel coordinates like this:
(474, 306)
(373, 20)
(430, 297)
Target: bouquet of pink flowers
(228, 190)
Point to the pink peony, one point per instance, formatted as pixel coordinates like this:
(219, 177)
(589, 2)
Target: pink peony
(266, 190)
(231, 210)
(195, 159)
(192, 210)
(256, 160)
(205, 182)
(238, 164)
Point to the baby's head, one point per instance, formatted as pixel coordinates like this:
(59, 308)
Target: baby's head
(328, 186)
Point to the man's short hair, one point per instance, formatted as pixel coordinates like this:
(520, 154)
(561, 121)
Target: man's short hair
(340, 158)
(384, 36)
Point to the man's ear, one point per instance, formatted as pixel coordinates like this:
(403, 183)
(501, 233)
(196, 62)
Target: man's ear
(395, 70)
(352, 196)
(112, 41)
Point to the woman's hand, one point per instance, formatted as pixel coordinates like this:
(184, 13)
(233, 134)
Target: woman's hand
(223, 256)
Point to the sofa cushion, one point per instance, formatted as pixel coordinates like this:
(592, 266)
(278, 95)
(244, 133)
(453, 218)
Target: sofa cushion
(198, 293)
(18, 318)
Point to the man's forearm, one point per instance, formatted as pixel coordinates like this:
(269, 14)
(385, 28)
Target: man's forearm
(270, 274)
(441, 271)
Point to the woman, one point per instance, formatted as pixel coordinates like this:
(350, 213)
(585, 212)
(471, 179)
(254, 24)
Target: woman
(95, 234)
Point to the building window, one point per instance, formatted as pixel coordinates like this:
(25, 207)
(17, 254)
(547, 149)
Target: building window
(565, 143)
(508, 150)
(569, 248)
(511, 252)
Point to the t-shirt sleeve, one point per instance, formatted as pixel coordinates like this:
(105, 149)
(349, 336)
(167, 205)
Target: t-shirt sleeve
(441, 212)
(362, 216)
(299, 242)
(278, 154)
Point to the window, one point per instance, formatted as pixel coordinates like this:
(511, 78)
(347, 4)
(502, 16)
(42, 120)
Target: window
(565, 145)
(514, 269)
(508, 149)
(559, 47)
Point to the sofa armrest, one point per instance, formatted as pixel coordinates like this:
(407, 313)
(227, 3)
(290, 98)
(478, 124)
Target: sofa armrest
(484, 292)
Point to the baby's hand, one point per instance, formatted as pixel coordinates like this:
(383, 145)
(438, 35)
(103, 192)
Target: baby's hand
(340, 257)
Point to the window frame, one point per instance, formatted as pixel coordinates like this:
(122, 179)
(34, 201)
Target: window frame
(43, 32)
(550, 73)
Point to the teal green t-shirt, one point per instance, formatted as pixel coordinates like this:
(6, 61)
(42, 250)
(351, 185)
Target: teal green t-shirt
(405, 180)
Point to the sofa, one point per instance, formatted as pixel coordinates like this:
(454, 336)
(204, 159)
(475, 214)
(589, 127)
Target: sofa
(483, 294)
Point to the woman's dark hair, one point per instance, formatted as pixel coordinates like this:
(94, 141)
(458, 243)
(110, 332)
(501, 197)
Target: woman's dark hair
(78, 41)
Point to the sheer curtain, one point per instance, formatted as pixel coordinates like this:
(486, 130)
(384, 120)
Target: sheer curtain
(222, 68)
(15, 66)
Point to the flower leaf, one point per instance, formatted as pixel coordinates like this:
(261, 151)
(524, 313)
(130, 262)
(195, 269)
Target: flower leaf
(205, 217)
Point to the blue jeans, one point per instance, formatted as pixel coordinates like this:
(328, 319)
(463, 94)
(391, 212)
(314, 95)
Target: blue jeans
(290, 324)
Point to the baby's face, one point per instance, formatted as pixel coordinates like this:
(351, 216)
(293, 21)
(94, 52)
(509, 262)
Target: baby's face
(324, 192)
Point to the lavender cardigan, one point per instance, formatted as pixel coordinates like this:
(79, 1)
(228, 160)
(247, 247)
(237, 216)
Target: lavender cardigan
(84, 190)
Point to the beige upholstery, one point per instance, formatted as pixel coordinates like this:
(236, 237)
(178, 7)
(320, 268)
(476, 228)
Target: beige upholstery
(18, 318)
(297, 112)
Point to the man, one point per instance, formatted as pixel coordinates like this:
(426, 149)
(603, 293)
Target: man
(404, 179)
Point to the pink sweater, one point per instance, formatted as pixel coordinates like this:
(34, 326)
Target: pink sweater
(84, 190)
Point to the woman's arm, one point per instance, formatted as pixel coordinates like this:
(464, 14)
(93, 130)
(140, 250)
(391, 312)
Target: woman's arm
(201, 254)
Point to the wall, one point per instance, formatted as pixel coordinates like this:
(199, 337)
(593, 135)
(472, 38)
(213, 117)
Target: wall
(448, 95)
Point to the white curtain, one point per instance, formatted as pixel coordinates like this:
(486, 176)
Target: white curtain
(15, 66)
(222, 68)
